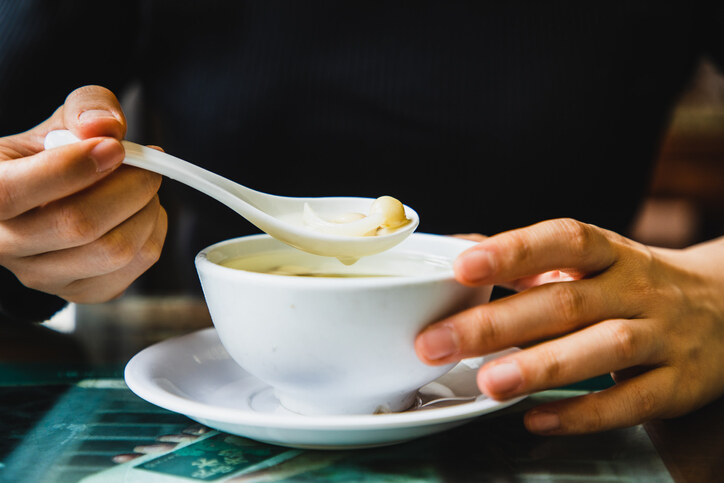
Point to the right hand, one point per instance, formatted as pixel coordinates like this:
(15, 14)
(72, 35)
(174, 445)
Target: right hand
(74, 222)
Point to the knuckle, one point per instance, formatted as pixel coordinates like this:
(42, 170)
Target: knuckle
(148, 181)
(569, 301)
(579, 236)
(643, 293)
(594, 420)
(117, 250)
(682, 302)
(481, 330)
(72, 293)
(638, 275)
(76, 226)
(7, 200)
(624, 341)
(150, 252)
(83, 292)
(521, 250)
(34, 280)
(649, 282)
(551, 368)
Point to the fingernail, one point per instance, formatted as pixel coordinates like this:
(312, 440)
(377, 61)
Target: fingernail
(503, 378)
(474, 266)
(107, 154)
(438, 342)
(94, 114)
(543, 421)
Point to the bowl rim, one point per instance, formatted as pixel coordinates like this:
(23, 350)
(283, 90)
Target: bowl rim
(206, 266)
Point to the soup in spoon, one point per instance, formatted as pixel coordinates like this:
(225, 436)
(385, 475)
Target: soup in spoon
(386, 216)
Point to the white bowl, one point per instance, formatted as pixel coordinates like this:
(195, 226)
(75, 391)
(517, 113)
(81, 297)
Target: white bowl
(335, 345)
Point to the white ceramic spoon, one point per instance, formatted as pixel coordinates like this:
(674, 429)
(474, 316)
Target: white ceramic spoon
(279, 216)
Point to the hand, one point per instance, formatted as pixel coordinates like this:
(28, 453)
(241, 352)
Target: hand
(591, 302)
(73, 222)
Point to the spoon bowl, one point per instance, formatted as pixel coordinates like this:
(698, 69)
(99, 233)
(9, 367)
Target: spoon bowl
(279, 216)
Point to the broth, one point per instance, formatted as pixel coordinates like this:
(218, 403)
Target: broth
(300, 264)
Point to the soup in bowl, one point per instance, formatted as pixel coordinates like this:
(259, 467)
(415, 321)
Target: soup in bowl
(333, 338)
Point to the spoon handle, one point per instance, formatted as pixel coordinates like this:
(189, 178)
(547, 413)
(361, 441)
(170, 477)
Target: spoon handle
(224, 190)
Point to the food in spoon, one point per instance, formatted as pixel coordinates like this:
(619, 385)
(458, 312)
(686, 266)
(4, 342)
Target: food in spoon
(281, 216)
(386, 215)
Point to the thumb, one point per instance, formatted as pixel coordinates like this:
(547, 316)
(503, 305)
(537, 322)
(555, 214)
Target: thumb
(90, 111)
(94, 111)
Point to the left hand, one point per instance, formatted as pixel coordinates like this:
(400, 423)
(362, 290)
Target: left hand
(591, 302)
(74, 222)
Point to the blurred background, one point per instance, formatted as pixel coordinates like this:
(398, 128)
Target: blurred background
(685, 203)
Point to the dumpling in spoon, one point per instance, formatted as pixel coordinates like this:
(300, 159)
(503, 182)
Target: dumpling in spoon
(386, 215)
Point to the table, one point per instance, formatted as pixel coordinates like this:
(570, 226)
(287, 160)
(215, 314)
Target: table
(66, 416)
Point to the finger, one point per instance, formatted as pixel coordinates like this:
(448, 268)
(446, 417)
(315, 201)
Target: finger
(94, 111)
(81, 218)
(538, 313)
(475, 237)
(50, 175)
(112, 251)
(608, 346)
(563, 244)
(106, 287)
(632, 402)
(89, 111)
(540, 279)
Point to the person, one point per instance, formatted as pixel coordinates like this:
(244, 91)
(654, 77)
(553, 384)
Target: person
(536, 122)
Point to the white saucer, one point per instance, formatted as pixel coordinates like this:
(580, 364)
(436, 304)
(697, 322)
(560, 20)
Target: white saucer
(194, 375)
